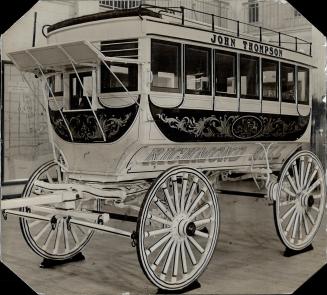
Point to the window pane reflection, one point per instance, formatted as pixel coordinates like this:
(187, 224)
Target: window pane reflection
(249, 67)
(226, 73)
(198, 70)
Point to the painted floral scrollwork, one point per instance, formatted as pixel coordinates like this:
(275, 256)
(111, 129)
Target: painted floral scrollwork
(188, 125)
(85, 128)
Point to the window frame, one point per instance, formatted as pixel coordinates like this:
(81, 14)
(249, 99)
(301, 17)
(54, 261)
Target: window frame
(109, 89)
(231, 53)
(265, 98)
(73, 76)
(295, 83)
(307, 101)
(247, 96)
(195, 92)
(179, 59)
(253, 10)
(104, 48)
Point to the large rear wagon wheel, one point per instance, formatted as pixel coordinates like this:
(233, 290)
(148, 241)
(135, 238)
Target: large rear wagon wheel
(173, 246)
(60, 240)
(300, 200)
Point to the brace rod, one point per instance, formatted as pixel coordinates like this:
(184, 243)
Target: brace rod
(37, 200)
(104, 228)
(51, 92)
(72, 213)
(26, 215)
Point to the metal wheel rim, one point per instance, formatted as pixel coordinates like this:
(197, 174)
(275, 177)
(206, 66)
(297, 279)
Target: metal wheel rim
(297, 219)
(52, 237)
(176, 246)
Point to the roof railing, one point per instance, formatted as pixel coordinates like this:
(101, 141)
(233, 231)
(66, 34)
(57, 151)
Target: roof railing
(264, 35)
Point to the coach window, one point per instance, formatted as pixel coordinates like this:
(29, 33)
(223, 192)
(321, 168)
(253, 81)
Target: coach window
(126, 73)
(288, 82)
(249, 70)
(198, 70)
(269, 80)
(166, 66)
(303, 85)
(225, 73)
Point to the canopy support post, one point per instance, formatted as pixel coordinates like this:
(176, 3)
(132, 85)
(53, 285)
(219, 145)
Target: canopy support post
(51, 92)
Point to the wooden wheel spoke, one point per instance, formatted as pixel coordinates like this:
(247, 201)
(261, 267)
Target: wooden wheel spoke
(190, 195)
(169, 200)
(176, 196)
(314, 186)
(58, 237)
(202, 222)
(169, 258)
(162, 254)
(184, 187)
(66, 237)
(199, 211)
(163, 208)
(316, 196)
(50, 180)
(315, 209)
(196, 245)
(286, 203)
(80, 229)
(159, 219)
(157, 244)
(291, 221)
(198, 199)
(74, 235)
(201, 234)
(307, 172)
(176, 260)
(302, 171)
(35, 223)
(49, 237)
(296, 175)
(287, 191)
(289, 212)
(291, 181)
(190, 252)
(157, 232)
(296, 226)
(313, 175)
(46, 228)
(305, 222)
(184, 262)
(59, 174)
(300, 225)
(310, 217)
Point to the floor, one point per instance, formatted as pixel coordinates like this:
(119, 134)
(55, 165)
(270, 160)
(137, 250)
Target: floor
(248, 259)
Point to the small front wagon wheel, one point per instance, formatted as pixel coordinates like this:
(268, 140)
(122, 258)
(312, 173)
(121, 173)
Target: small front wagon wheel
(56, 241)
(175, 242)
(300, 200)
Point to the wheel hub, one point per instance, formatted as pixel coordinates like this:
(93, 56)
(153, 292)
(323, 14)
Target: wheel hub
(306, 200)
(190, 229)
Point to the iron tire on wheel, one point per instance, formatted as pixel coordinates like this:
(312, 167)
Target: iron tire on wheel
(46, 242)
(300, 200)
(173, 246)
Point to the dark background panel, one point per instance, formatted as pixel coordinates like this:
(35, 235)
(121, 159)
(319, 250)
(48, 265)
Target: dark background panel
(12, 10)
(314, 11)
